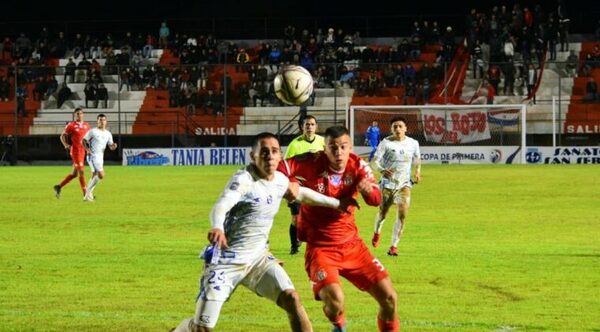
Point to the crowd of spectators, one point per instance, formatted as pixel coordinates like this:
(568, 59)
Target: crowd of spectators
(507, 47)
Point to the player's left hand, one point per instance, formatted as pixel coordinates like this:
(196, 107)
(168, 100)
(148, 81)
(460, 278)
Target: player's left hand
(113, 146)
(217, 238)
(417, 177)
(364, 187)
(346, 203)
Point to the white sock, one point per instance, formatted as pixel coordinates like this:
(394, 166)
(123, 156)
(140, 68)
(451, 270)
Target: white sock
(397, 232)
(92, 184)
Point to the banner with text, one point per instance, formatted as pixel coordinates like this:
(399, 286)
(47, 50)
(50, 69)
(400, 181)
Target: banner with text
(455, 126)
(563, 155)
(186, 156)
(462, 154)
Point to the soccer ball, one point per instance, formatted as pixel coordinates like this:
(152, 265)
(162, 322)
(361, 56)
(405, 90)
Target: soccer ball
(293, 85)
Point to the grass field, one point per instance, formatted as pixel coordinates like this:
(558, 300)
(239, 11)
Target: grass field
(486, 248)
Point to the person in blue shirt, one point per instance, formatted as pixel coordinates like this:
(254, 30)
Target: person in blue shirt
(372, 138)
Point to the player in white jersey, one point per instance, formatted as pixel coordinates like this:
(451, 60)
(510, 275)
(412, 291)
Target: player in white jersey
(394, 158)
(95, 142)
(241, 221)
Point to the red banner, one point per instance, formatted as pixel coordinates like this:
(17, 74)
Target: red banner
(457, 126)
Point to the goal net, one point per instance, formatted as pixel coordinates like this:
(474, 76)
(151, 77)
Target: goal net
(450, 133)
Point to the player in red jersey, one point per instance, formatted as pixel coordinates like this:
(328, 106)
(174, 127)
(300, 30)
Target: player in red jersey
(71, 139)
(333, 246)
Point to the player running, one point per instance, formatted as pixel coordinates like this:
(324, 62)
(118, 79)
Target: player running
(71, 139)
(241, 222)
(333, 246)
(394, 158)
(95, 142)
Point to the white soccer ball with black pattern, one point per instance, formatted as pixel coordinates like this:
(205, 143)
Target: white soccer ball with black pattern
(293, 85)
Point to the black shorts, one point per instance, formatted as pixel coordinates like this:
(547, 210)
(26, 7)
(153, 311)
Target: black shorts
(294, 208)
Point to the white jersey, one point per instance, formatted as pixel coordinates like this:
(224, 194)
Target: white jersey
(98, 140)
(248, 223)
(396, 156)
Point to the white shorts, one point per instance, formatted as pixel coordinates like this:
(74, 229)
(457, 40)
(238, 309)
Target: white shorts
(96, 162)
(394, 196)
(264, 276)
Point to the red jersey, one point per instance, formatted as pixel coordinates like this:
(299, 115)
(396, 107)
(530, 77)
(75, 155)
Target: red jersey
(76, 130)
(321, 226)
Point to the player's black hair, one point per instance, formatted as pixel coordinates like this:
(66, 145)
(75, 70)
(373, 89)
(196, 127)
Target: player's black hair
(262, 136)
(308, 117)
(398, 118)
(101, 115)
(336, 131)
(77, 110)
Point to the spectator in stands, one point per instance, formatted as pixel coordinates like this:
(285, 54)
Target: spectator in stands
(82, 71)
(4, 88)
(40, 88)
(70, 70)
(52, 85)
(219, 102)
(125, 79)
(274, 58)
(63, 94)
(150, 43)
(90, 93)
(242, 59)
(410, 91)
(208, 101)
(163, 36)
(77, 45)
(244, 94)
(190, 98)
(508, 69)
(58, 47)
(572, 64)
(374, 83)
(23, 46)
(101, 95)
(21, 94)
(591, 90)
(426, 90)
(260, 91)
(531, 80)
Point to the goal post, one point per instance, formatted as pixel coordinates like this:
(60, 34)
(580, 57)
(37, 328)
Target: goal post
(451, 133)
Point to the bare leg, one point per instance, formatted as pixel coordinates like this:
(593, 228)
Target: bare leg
(289, 300)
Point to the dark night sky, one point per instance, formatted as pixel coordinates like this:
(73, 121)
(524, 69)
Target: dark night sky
(170, 9)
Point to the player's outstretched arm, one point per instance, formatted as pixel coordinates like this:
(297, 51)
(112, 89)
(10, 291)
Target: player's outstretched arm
(310, 197)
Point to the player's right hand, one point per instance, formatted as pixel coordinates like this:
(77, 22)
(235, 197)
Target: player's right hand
(217, 238)
(67, 147)
(346, 203)
(387, 173)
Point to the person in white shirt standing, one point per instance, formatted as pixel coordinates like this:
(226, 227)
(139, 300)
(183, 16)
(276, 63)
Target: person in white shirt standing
(394, 158)
(95, 142)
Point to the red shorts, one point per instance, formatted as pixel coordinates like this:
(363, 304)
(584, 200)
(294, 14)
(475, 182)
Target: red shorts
(352, 261)
(78, 157)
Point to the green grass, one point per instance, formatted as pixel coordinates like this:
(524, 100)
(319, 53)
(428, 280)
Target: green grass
(486, 248)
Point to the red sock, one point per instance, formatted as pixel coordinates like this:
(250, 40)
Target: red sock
(388, 325)
(66, 180)
(339, 321)
(82, 182)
